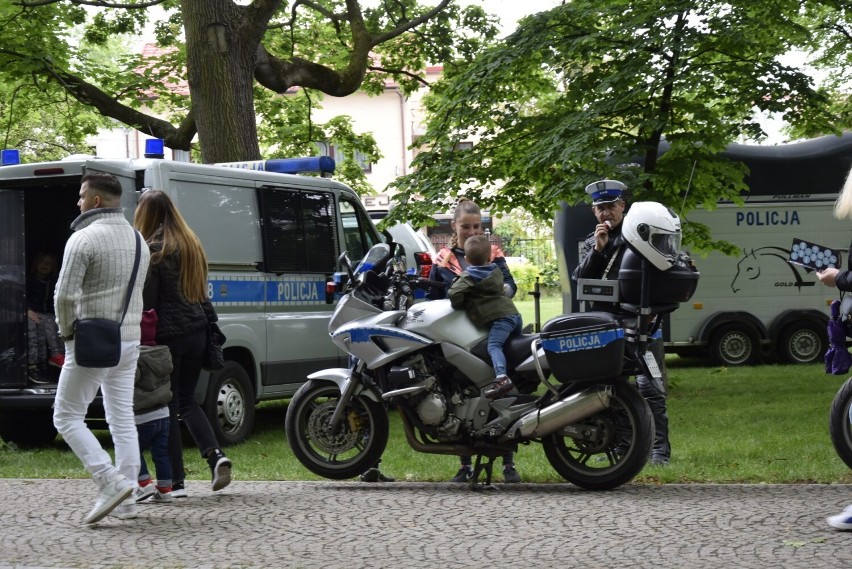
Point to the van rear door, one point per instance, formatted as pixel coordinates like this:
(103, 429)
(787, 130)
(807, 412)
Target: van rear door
(13, 313)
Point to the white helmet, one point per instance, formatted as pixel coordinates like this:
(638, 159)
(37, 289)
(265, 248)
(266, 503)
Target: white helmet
(653, 231)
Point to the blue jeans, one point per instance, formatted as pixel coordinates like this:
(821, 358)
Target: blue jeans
(155, 435)
(500, 331)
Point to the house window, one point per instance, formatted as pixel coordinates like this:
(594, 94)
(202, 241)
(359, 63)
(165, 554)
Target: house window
(327, 149)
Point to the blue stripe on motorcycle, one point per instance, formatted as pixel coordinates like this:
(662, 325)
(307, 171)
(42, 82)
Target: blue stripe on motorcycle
(359, 335)
(582, 341)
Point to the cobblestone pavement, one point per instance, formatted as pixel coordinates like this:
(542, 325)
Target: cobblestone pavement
(405, 524)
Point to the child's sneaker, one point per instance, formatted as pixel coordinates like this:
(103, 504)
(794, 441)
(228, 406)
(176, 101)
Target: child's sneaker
(58, 360)
(144, 491)
(843, 520)
(163, 495)
(502, 384)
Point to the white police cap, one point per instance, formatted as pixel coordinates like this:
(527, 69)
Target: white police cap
(605, 191)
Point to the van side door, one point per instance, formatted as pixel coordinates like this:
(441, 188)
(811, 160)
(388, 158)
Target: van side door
(300, 240)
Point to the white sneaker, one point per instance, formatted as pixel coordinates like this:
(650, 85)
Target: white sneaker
(142, 493)
(843, 520)
(114, 488)
(179, 493)
(126, 510)
(162, 497)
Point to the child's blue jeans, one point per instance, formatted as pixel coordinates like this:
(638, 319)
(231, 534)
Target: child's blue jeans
(500, 331)
(155, 435)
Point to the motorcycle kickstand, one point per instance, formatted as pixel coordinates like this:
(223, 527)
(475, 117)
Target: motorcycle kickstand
(475, 485)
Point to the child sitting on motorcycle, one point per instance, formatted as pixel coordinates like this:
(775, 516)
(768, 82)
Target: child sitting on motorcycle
(479, 290)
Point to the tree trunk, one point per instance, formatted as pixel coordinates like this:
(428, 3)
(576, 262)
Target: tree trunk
(221, 49)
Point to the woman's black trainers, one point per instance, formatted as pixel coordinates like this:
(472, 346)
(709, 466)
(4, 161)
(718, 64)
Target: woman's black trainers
(464, 474)
(220, 467)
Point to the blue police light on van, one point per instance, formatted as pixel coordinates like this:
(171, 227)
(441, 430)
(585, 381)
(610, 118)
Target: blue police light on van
(323, 165)
(155, 148)
(10, 157)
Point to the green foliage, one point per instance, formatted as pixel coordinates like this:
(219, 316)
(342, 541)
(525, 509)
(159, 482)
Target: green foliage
(549, 275)
(593, 89)
(333, 46)
(524, 275)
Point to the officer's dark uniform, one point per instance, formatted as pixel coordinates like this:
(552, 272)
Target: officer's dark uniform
(605, 265)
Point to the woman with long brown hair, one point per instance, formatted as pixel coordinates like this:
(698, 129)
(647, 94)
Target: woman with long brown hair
(176, 288)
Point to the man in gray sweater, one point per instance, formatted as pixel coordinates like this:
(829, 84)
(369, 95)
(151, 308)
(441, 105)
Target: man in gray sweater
(93, 281)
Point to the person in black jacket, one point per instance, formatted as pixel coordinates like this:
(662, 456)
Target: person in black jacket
(176, 288)
(601, 259)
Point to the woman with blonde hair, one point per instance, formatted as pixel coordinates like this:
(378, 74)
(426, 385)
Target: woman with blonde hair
(842, 280)
(176, 287)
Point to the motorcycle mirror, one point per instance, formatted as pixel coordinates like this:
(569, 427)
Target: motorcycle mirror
(343, 261)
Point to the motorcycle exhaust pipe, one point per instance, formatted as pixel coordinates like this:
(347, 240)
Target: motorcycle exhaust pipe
(545, 421)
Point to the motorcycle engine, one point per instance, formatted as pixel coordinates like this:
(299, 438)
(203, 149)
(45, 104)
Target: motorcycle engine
(431, 404)
(432, 409)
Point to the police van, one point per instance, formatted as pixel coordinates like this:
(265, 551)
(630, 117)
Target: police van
(272, 237)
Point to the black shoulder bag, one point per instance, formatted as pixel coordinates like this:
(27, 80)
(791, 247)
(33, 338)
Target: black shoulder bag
(97, 341)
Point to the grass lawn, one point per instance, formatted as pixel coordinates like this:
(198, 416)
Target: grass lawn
(728, 425)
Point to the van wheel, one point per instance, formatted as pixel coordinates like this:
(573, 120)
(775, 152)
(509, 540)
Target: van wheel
(33, 427)
(803, 343)
(734, 345)
(230, 404)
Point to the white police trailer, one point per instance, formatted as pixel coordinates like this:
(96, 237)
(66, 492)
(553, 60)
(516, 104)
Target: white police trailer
(272, 241)
(755, 303)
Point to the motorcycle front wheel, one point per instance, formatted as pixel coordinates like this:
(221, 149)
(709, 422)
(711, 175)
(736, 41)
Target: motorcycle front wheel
(345, 451)
(607, 449)
(840, 422)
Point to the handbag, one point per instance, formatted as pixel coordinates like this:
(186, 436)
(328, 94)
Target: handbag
(214, 356)
(97, 341)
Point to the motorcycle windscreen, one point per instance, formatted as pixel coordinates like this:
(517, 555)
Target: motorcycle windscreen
(13, 313)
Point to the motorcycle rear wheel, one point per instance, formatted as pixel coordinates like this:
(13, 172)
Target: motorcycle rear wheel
(840, 422)
(609, 448)
(353, 447)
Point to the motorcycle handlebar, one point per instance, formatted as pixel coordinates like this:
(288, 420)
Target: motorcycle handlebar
(426, 283)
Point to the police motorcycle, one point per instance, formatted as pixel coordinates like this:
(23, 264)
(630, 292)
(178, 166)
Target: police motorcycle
(572, 391)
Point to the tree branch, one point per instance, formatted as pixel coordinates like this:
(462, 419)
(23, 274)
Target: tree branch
(88, 94)
(399, 30)
(400, 72)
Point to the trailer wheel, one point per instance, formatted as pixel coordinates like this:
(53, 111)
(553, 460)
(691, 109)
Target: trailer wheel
(733, 345)
(803, 342)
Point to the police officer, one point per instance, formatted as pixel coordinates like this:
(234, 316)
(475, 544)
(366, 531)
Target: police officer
(601, 259)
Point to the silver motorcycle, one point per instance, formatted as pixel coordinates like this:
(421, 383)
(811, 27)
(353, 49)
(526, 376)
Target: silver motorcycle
(572, 393)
